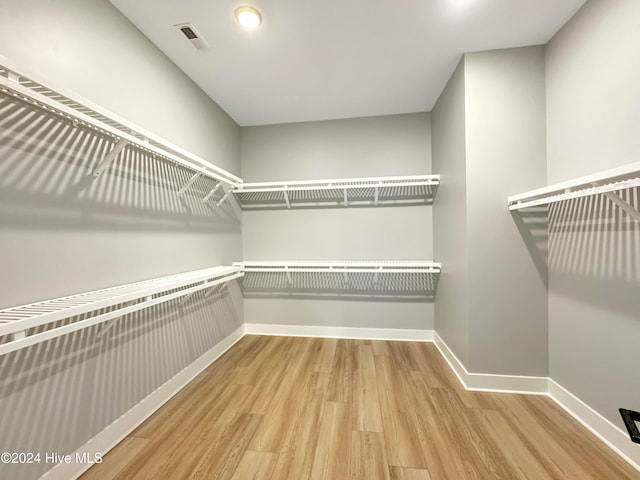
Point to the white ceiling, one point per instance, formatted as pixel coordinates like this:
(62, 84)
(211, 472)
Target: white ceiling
(327, 59)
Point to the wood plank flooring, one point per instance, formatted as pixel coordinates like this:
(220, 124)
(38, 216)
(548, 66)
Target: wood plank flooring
(283, 408)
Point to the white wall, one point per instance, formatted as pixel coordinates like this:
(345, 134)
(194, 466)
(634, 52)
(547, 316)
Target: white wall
(593, 109)
(362, 147)
(61, 233)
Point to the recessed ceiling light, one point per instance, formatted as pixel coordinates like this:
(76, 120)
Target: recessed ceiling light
(248, 17)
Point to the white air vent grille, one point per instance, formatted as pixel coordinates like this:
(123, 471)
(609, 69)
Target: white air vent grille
(189, 31)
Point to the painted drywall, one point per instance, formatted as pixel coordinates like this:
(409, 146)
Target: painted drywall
(450, 215)
(505, 154)
(62, 232)
(362, 147)
(593, 110)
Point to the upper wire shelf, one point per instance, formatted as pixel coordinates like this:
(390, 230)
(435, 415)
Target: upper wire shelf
(28, 87)
(19, 325)
(390, 279)
(415, 189)
(606, 182)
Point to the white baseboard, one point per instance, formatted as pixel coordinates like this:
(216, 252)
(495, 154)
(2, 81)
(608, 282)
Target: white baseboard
(123, 426)
(485, 382)
(602, 428)
(395, 334)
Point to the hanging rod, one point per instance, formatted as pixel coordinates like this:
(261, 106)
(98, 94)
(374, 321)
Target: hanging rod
(606, 182)
(338, 192)
(28, 87)
(17, 322)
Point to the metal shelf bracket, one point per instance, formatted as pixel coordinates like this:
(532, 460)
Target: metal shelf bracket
(190, 182)
(110, 157)
(212, 192)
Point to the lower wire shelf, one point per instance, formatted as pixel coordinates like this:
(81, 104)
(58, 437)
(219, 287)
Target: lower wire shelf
(27, 325)
(391, 280)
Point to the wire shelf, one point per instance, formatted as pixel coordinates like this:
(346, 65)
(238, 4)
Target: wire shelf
(416, 189)
(417, 279)
(26, 87)
(606, 183)
(17, 324)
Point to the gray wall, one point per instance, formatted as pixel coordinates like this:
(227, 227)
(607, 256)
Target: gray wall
(505, 154)
(363, 147)
(594, 271)
(450, 215)
(61, 233)
(489, 142)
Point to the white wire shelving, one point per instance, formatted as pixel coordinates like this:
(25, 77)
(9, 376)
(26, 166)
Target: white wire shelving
(607, 182)
(28, 325)
(338, 192)
(369, 278)
(28, 87)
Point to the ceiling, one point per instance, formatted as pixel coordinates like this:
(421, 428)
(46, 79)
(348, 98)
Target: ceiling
(328, 59)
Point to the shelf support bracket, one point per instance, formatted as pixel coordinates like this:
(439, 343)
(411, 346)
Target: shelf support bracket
(346, 277)
(346, 199)
(286, 197)
(107, 326)
(376, 274)
(190, 182)
(224, 197)
(289, 276)
(375, 199)
(621, 203)
(624, 205)
(216, 288)
(212, 192)
(110, 157)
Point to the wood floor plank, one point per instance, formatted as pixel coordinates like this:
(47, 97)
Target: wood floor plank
(331, 459)
(400, 430)
(223, 457)
(366, 401)
(271, 435)
(579, 443)
(380, 347)
(398, 473)
(368, 456)
(523, 464)
(256, 466)
(541, 441)
(117, 459)
(341, 380)
(324, 363)
(298, 450)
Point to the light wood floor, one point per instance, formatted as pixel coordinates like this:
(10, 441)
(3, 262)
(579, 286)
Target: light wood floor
(303, 408)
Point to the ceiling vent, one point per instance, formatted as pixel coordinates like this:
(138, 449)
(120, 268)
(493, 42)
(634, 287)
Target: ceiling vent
(189, 31)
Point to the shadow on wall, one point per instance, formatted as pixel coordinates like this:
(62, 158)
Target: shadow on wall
(55, 396)
(46, 174)
(594, 251)
(533, 224)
